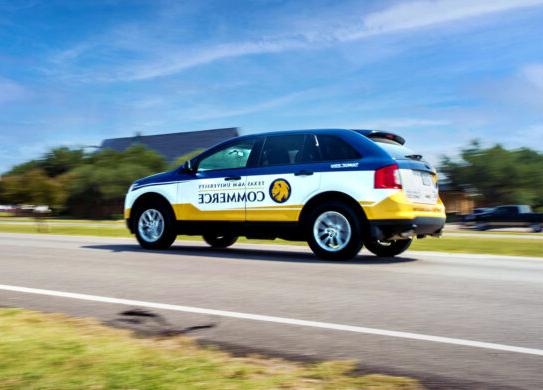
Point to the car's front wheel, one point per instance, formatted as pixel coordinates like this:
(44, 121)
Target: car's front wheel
(387, 248)
(220, 240)
(334, 232)
(155, 226)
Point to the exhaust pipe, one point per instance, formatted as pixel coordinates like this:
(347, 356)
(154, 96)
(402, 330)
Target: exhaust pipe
(407, 234)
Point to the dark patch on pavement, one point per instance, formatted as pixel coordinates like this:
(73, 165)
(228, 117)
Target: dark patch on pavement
(149, 324)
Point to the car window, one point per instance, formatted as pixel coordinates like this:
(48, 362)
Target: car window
(333, 148)
(396, 151)
(232, 156)
(282, 150)
(311, 152)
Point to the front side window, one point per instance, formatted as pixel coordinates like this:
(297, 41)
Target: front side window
(282, 150)
(232, 156)
(333, 148)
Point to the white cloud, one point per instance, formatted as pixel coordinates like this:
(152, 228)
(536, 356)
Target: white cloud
(420, 14)
(522, 90)
(183, 60)
(208, 113)
(10, 91)
(164, 60)
(534, 74)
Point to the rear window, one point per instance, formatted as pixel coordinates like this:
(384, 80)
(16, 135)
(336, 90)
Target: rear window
(397, 151)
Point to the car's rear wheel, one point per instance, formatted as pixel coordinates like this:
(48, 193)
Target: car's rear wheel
(387, 248)
(220, 240)
(536, 228)
(334, 232)
(154, 226)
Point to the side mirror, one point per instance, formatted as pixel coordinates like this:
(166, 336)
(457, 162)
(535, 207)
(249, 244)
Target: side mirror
(188, 167)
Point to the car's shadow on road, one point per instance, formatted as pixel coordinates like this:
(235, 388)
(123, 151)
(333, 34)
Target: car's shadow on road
(249, 254)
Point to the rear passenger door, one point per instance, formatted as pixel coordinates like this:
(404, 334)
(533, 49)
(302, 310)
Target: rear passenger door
(284, 178)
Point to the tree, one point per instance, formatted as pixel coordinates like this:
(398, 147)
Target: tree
(61, 160)
(55, 162)
(497, 175)
(98, 187)
(70, 180)
(34, 187)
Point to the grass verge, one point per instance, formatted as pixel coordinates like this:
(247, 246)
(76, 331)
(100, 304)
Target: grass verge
(51, 351)
(481, 245)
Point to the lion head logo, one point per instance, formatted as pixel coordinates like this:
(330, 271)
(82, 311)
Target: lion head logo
(280, 190)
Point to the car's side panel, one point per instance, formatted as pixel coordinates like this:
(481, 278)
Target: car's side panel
(211, 197)
(286, 189)
(166, 190)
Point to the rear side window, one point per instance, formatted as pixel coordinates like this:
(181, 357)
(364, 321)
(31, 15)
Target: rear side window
(397, 151)
(333, 148)
(282, 150)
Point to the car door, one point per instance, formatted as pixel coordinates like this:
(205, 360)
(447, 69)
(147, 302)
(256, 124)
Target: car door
(283, 179)
(216, 191)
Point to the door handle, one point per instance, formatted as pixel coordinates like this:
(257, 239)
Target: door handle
(303, 173)
(232, 178)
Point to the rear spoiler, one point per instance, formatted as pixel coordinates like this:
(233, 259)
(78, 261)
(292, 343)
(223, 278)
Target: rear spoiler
(374, 134)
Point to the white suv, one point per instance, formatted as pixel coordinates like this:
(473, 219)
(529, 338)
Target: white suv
(336, 189)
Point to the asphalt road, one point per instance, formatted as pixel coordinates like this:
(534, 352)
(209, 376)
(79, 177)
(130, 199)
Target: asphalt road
(279, 300)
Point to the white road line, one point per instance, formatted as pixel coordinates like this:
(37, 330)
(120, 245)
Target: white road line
(278, 320)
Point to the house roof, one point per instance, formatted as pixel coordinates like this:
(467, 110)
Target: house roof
(173, 145)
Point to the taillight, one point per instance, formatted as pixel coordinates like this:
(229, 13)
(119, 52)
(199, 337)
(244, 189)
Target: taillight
(388, 177)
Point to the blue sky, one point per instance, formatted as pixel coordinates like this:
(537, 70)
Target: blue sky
(439, 72)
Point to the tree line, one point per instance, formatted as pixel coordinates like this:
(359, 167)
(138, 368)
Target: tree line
(496, 175)
(78, 183)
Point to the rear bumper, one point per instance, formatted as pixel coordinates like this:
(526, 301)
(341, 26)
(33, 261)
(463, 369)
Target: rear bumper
(383, 229)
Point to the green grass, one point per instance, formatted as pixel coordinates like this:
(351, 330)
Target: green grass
(62, 220)
(39, 351)
(109, 230)
(487, 233)
(494, 246)
(506, 246)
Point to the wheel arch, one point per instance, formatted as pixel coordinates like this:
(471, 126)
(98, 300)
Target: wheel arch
(332, 196)
(146, 198)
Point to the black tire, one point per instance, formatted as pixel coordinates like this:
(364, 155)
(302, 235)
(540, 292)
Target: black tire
(387, 248)
(536, 227)
(220, 241)
(353, 244)
(169, 234)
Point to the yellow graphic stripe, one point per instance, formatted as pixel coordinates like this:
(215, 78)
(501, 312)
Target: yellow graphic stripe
(274, 214)
(397, 206)
(291, 206)
(126, 213)
(188, 212)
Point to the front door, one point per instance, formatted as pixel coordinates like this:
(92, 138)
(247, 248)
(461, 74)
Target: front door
(217, 191)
